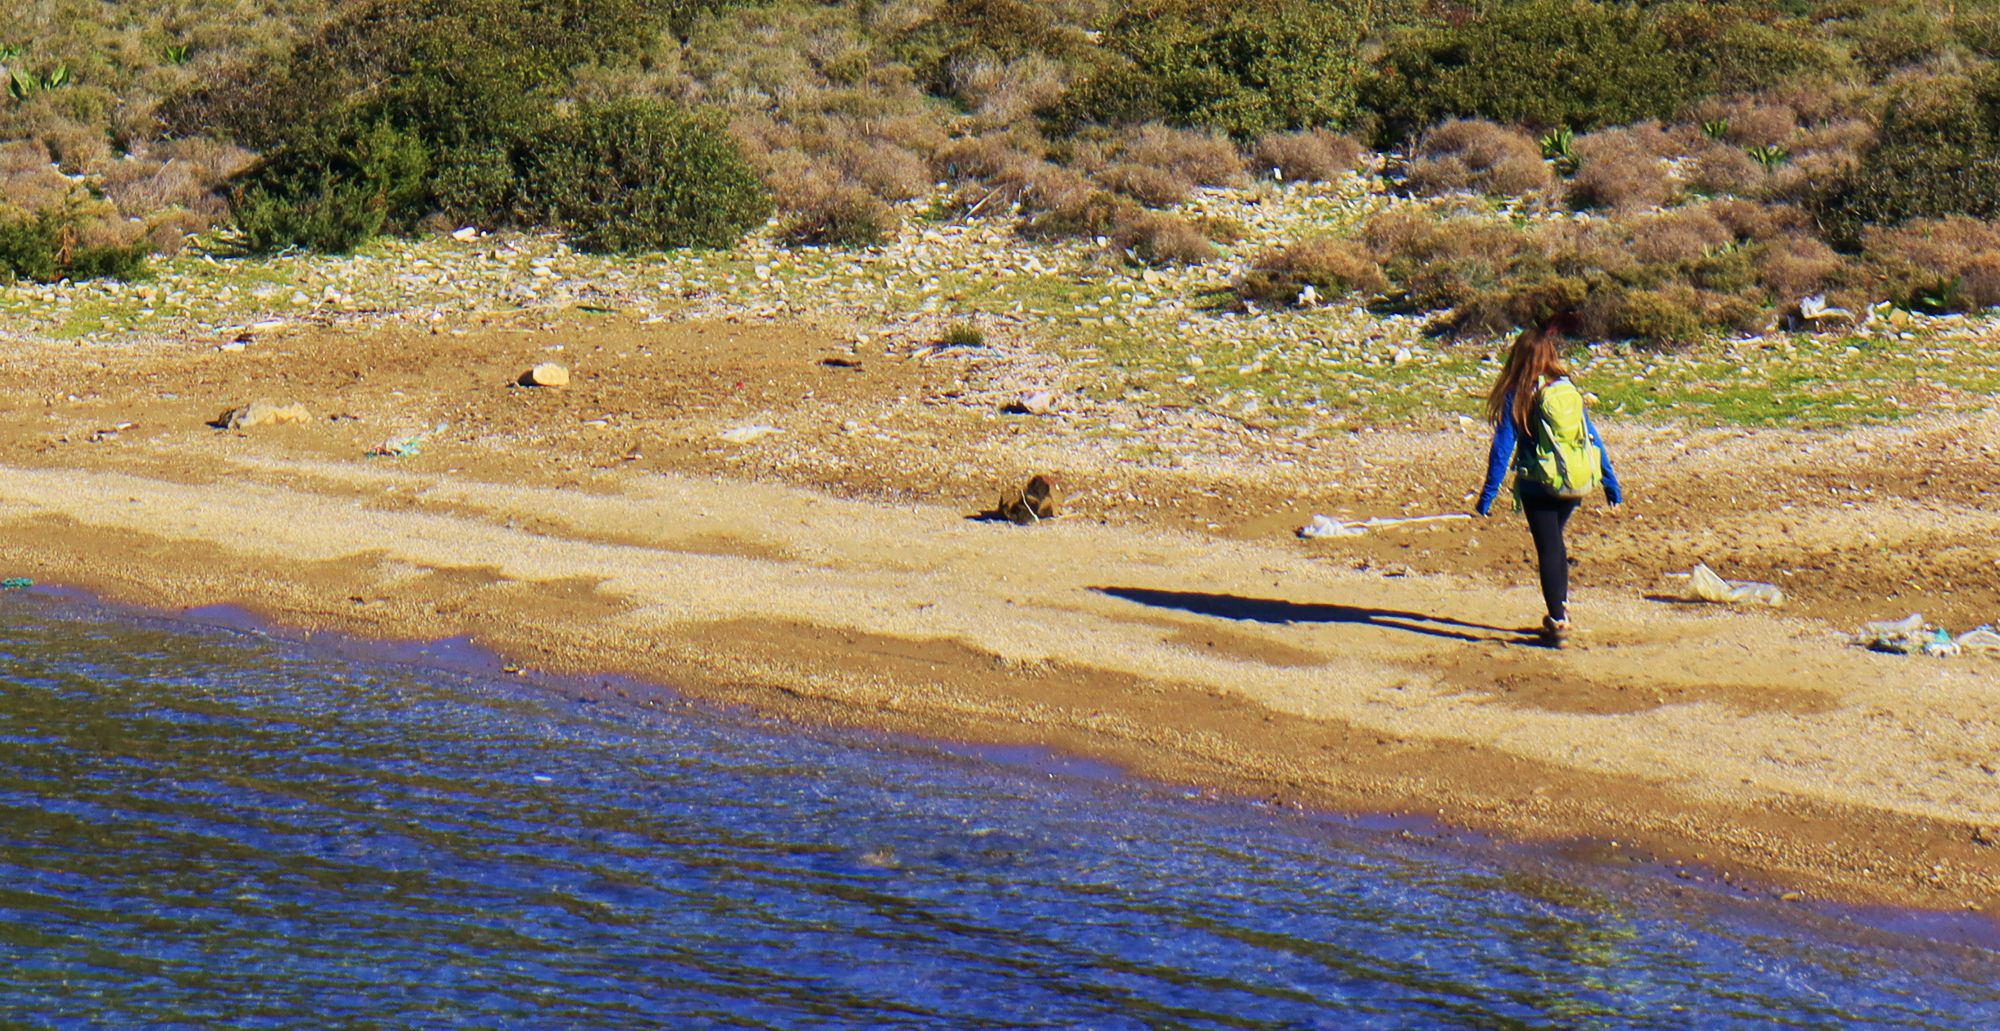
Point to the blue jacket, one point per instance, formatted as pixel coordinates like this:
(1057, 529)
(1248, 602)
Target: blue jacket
(1506, 446)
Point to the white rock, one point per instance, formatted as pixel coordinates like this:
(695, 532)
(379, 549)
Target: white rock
(746, 434)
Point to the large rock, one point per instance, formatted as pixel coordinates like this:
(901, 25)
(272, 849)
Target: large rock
(263, 413)
(547, 374)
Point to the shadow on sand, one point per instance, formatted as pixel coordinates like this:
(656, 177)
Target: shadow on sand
(1268, 610)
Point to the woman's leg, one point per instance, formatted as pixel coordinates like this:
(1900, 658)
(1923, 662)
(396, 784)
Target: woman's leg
(1546, 518)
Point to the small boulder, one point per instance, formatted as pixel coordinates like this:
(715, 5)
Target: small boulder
(547, 374)
(262, 413)
(1034, 402)
(1033, 503)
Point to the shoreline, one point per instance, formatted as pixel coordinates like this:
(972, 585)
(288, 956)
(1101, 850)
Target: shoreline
(1662, 877)
(1168, 623)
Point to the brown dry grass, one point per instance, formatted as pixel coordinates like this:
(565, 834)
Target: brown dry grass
(1202, 158)
(1153, 187)
(1621, 169)
(1160, 238)
(1314, 155)
(1480, 157)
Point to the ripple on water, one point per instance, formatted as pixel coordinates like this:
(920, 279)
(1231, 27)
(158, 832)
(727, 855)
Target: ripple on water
(199, 827)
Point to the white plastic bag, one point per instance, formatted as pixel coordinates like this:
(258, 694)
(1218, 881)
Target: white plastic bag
(1705, 585)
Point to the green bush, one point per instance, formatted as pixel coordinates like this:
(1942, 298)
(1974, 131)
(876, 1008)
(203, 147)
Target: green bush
(333, 192)
(1937, 155)
(638, 175)
(1726, 51)
(48, 247)
(1538, 63)
(1245, 69)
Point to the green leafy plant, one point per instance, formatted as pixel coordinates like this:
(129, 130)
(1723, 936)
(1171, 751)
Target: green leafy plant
(9, 51)
(176, 54)
(1939, 297)
(1715, 128)
(56, 79)
(1769, 156)
(22, 85)
(1559, 146)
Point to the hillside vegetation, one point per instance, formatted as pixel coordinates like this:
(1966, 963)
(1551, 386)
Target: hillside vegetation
(1671, 170)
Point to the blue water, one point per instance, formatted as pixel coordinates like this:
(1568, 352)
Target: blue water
(204, 827)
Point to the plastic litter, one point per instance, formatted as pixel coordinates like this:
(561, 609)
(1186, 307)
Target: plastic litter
(404, 447)
(1704, 584)
(16, 583)
(1323, 527)
(1982, 639)
(1906, 636)
(1941, 645)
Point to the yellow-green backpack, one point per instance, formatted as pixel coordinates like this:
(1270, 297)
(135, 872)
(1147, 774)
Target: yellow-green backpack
(1560, 456)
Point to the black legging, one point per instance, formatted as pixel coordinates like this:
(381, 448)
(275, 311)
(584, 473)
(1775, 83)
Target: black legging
(1546, 517)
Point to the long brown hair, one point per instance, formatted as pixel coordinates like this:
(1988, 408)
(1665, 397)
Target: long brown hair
(1532, 362)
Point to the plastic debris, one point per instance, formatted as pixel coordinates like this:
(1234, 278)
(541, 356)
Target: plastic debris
(404, 447)
(1326, 526)
(16, 583)
(1704, 584)
(1982, 639)
(1906, 636)
(1941, 645)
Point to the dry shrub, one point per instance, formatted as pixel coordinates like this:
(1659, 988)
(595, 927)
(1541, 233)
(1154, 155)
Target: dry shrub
(1942, 263)
(1618, 169)
(1480, 157)
(139, 186)
(1158, 238)
(1753, 121)
(35, 189)
(1070, 208)
(888, 171)
(987, 157)
(1796, 266)
(1151, 186)
(77, 149)
(167, 230)
(1334, 268)
(1202, 158)
(1716, 168)
(1679, 236)
(915, 132)
(1821, 155)
(793, 177)
(1003, 93)
(1315, 155)
(1221, 228)
(1668, 316)
(213, 161)
(1752, 221)
(24, 156)
(845, 214)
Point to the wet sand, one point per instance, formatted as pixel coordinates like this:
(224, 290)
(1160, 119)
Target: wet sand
(1168, 623)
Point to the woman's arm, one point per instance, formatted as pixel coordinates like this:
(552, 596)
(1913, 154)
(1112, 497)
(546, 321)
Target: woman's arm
(1611, 491)
(1498, 459)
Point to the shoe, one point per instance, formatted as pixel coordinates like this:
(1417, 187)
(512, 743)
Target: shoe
(1555, 632)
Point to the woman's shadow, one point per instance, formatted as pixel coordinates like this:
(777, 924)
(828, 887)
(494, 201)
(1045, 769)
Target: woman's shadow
(1268, 610)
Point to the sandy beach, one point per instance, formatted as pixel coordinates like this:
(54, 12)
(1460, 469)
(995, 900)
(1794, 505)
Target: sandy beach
(826, 565)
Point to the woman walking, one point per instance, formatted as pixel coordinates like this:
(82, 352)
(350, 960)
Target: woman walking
(1541, 429)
